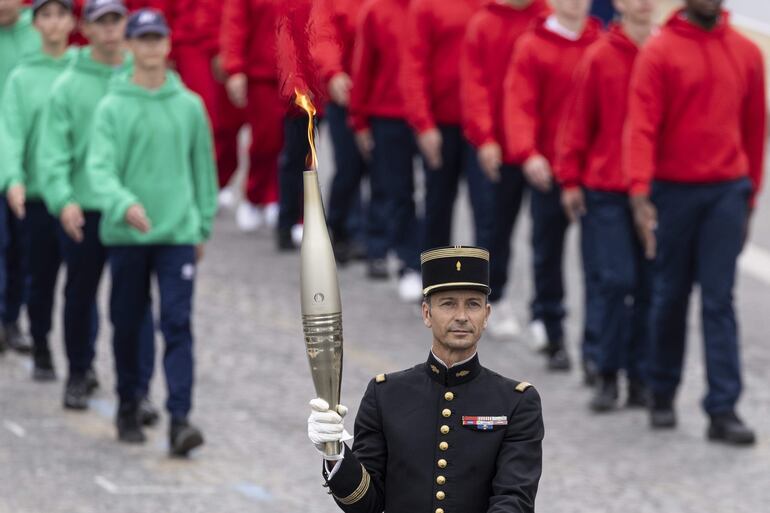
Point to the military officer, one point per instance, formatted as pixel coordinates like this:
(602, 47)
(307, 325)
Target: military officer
(447, 435)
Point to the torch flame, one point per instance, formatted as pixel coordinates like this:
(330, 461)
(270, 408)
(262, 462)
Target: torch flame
(303, 101)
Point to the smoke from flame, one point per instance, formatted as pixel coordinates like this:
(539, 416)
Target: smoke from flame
(303, 101)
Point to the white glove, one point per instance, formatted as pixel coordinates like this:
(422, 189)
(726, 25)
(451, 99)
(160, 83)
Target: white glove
(325, 425)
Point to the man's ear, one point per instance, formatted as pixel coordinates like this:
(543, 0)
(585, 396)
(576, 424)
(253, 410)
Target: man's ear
(426, 319)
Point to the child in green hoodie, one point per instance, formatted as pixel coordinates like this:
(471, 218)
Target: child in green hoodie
(64, 137)
(151, 160)
(26, 90)
(17, 38)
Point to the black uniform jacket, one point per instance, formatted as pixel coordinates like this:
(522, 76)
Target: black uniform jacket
(420, 447)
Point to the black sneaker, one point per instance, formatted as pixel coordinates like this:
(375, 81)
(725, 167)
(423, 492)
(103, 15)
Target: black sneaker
(283, 240)
(662, 414)
(148, 414)
(378, 269)
(606, 394)
(128, 424)
(76, 393)
(341, 249)
(43, 370)
(92, 382)
(558, 359)
(17, 340)
(183, 437)
(590, 373)
(637, 395)
(730, 429)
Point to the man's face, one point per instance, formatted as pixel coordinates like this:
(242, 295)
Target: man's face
(9, 11)
(637, 11)
(107, 33)
(150, 51)
(456, 317)
(572, 9)
(705, 8)
(54, 22)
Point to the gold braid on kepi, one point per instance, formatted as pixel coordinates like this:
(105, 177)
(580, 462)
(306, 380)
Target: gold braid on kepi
(359, 492)
(455, 267)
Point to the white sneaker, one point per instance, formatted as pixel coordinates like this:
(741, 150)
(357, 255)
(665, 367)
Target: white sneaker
(410, 287)
(538, 337)
(248, 217)
(227, 198)
(296, 234)
(503, 324)
(270, 214)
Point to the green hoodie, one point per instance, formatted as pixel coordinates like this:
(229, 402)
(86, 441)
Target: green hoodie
(16, 41)
(26, 91)
(65, 130)
(153, 148)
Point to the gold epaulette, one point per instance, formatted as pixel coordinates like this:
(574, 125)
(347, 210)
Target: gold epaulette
(523, 386)
(380, 378)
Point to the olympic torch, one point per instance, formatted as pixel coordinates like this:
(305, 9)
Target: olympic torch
(320, 290)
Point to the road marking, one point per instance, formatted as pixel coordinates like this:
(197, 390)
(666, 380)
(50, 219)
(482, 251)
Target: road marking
(755, 262)
(115, 489)
(253, 491)
(15, 428)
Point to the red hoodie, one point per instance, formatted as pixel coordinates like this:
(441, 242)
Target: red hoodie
(590, 137)
(376, 60)
(334, 49)
(430, 74)
(248, 37)
(183, 17)
(697, 109)
(489, 41)
(208, 19)
(536, 86)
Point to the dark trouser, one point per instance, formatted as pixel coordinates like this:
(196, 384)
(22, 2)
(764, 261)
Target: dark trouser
(85, 262)
(291, 165)
(507, 195)
(392, 183)
(345, 212)
(700, 234)
(441, 191)
(617, 303)
(174, 269)
(16, 266)
(549, 226)
(44, 262)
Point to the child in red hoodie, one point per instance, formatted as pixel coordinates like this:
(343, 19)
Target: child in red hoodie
(489, 40)
(693, 150)
(248, 57)
(430, 82)
(534, 98)
(594, 190)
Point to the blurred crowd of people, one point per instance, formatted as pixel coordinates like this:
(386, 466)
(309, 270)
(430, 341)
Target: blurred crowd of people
(650, 138)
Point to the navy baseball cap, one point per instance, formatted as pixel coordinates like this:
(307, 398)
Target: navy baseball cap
(95, 9)
(147, 21)
(38, 4)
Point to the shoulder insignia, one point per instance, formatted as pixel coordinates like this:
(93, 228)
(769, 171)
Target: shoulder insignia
(523, 386)
(380, 378)
(462, 373)
(434, 369)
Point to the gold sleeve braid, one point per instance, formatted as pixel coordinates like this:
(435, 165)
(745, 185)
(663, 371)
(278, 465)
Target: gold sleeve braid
(359, 492)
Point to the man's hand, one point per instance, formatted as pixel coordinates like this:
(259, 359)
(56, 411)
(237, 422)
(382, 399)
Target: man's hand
(17, 197)
(538, 173)
(646, 221)
(574, 203)
(237, 89)
(217, 70)
(72, 221)
(365, 143)
(200, 252)
(325, 425)
(339, 89)
(136, 217)
(490, 159)
(430, 143)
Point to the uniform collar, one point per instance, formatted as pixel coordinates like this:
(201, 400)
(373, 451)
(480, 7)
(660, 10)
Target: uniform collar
(456, 375)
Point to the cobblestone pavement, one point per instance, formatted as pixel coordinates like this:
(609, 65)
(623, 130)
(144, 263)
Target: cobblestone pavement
(253, 386)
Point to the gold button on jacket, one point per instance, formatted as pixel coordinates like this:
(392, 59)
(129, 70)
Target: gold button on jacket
(442, 463)
(440, 495)
(443, 446)
(447, 412)
(440, 480)
(449, 396)
(444, 429)
(439, 510)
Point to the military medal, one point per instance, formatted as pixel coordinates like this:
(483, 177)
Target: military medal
(485, 423)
